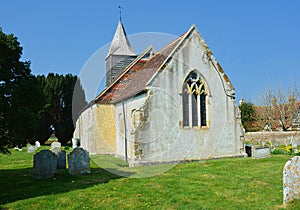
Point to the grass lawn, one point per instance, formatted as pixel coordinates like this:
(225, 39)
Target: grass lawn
(241, 183)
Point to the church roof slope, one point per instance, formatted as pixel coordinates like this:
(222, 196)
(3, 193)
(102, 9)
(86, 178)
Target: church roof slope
(120, 44)
(140, 79)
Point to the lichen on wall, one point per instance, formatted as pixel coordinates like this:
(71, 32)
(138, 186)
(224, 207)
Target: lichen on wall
(105, 122)
(96, 129)
(291, 180)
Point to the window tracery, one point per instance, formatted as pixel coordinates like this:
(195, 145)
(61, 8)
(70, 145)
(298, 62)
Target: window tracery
(194, 101)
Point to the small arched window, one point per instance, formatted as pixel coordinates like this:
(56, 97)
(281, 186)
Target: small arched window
(194, 101)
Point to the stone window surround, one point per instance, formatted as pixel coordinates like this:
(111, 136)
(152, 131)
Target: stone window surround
(203, 90)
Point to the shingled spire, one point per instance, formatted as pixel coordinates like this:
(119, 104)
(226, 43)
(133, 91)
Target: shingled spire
(120, 54)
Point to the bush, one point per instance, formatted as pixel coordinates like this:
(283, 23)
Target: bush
(280, 151)
(284, 150)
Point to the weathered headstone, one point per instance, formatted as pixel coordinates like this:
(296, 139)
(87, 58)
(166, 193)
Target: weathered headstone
(55, 144)
(44, 165)
(275, 143)
(30, 148)
(295, 147)
(61, 160)
(75, 142)
(291, 180)
(56, 150)
(61, 157)
(37, 144)
(296, 142)
(78, 161)
(261, 152)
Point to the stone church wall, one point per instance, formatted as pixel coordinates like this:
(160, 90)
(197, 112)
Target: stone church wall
(132, 110)
(96, 130)
(162, 137)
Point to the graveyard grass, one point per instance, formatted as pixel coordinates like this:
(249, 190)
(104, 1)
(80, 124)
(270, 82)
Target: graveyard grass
(240, 183)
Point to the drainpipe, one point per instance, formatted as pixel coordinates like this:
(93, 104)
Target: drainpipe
(125, 135)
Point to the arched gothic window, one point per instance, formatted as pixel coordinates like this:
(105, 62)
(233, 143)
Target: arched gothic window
(194, 101)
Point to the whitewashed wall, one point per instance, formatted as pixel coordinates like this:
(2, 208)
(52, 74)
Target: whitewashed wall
(161, 137)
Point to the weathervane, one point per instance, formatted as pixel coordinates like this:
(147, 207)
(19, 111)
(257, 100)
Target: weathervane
(120, 11)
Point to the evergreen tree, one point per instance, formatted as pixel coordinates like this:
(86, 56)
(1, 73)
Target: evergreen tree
(247, 115)
(21, 99)
(58, 90)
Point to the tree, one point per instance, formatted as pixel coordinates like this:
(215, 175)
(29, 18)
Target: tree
(19, 113)
(247, 115)
(79, 102)
(58, 90)
(278, 107)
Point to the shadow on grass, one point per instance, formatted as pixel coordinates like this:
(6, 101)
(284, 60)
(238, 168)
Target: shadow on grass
(18, 184)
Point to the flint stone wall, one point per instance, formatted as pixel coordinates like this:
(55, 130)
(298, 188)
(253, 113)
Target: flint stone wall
(274, 137)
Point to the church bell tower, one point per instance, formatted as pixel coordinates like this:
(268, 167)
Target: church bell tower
(120, 54)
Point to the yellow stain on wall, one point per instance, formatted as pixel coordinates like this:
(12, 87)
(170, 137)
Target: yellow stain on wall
(105, 129)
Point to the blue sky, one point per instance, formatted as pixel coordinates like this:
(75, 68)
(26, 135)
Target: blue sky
(257, 42)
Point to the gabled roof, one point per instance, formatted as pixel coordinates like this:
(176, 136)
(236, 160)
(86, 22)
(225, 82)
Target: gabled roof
(136, 76)
(120, 44)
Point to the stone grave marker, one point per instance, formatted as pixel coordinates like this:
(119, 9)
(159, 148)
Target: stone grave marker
(30, 148)
(296, 142)
(261, 152)
(61, 157)
(56, 150)
(291, 180)
(37, 144)
(55, 144)
(275, 143)
(295, 147)
(44, 165)
(75, 142)
(61, 160)
(78, 161)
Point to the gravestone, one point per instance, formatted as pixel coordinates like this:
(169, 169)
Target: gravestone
(289, 141)
(56, 150)
(61, 157)
(44, 165)
(295, 147)
(37, 144)
(75, 142)
(30, 148)
(261, 152)
(275, 143)
(78, 161)
(291, 180)
(296, 142)
(55, 144)
(61, 160)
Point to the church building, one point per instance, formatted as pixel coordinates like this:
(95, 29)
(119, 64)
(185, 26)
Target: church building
(176, 104)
